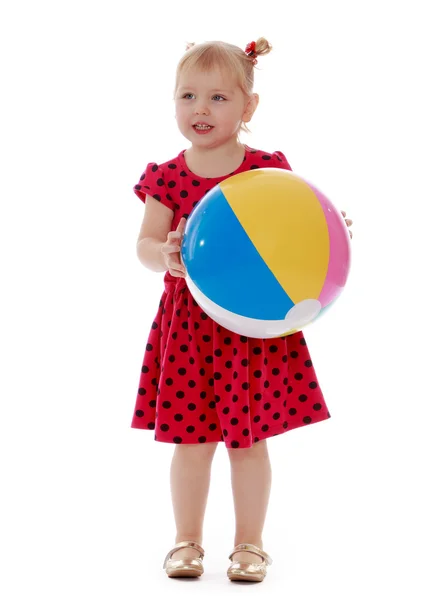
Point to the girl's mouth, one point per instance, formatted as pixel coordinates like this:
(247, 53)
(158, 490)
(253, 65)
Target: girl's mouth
(202, 129)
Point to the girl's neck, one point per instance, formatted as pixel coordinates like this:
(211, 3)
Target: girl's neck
(215, 162)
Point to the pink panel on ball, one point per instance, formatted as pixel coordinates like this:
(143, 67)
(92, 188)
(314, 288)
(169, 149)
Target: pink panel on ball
(338, 266)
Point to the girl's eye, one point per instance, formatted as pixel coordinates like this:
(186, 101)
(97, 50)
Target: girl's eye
(215, 96)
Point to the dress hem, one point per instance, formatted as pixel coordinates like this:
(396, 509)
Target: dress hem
(268, 434)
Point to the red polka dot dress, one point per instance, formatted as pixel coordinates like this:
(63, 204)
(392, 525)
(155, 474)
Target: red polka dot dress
(200, 382)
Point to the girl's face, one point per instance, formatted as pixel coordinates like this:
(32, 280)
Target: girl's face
(214, 102)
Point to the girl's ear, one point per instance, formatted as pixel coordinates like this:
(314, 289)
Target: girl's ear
(250, 108)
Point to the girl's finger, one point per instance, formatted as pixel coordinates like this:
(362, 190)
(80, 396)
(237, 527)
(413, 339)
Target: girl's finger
(174, 235)
(176, 273)
(170, 249)
(180, 228)
(177, 266)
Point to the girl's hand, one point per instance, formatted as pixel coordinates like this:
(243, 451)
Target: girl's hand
(171, 250)
(347, 221)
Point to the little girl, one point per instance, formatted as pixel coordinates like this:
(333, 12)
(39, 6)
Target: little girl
(200, 383)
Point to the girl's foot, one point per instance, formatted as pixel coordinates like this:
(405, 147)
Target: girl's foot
(185, 559)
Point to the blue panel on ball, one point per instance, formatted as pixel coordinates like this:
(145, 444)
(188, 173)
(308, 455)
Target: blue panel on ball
(224, 264)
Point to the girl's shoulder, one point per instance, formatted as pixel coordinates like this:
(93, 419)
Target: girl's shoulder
(261, 159)
(173, 165)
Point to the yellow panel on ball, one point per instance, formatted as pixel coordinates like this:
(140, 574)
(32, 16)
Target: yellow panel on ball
(282, 216)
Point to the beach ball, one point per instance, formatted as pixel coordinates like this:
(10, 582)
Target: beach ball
(266, 253)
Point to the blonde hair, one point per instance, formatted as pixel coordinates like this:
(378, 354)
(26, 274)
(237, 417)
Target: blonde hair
(212, 55)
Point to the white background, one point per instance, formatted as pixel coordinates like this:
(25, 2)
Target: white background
(86, 103)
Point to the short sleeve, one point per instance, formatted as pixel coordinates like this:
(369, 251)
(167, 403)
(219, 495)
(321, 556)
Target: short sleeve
(281, 161)
(152, 182)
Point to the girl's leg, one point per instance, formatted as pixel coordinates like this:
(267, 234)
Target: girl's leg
(190, 481)
(251, 485)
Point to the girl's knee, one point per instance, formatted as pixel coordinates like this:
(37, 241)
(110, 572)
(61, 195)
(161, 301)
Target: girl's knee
(197, 451)
(256, 450)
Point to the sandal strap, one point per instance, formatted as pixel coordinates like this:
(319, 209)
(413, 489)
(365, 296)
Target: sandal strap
(186, 544)
(254, 549)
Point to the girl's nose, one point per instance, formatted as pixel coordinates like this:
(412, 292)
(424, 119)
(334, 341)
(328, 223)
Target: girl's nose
(201, 110)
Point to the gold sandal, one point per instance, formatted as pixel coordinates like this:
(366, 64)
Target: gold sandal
(245, 571)
(184, 567)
